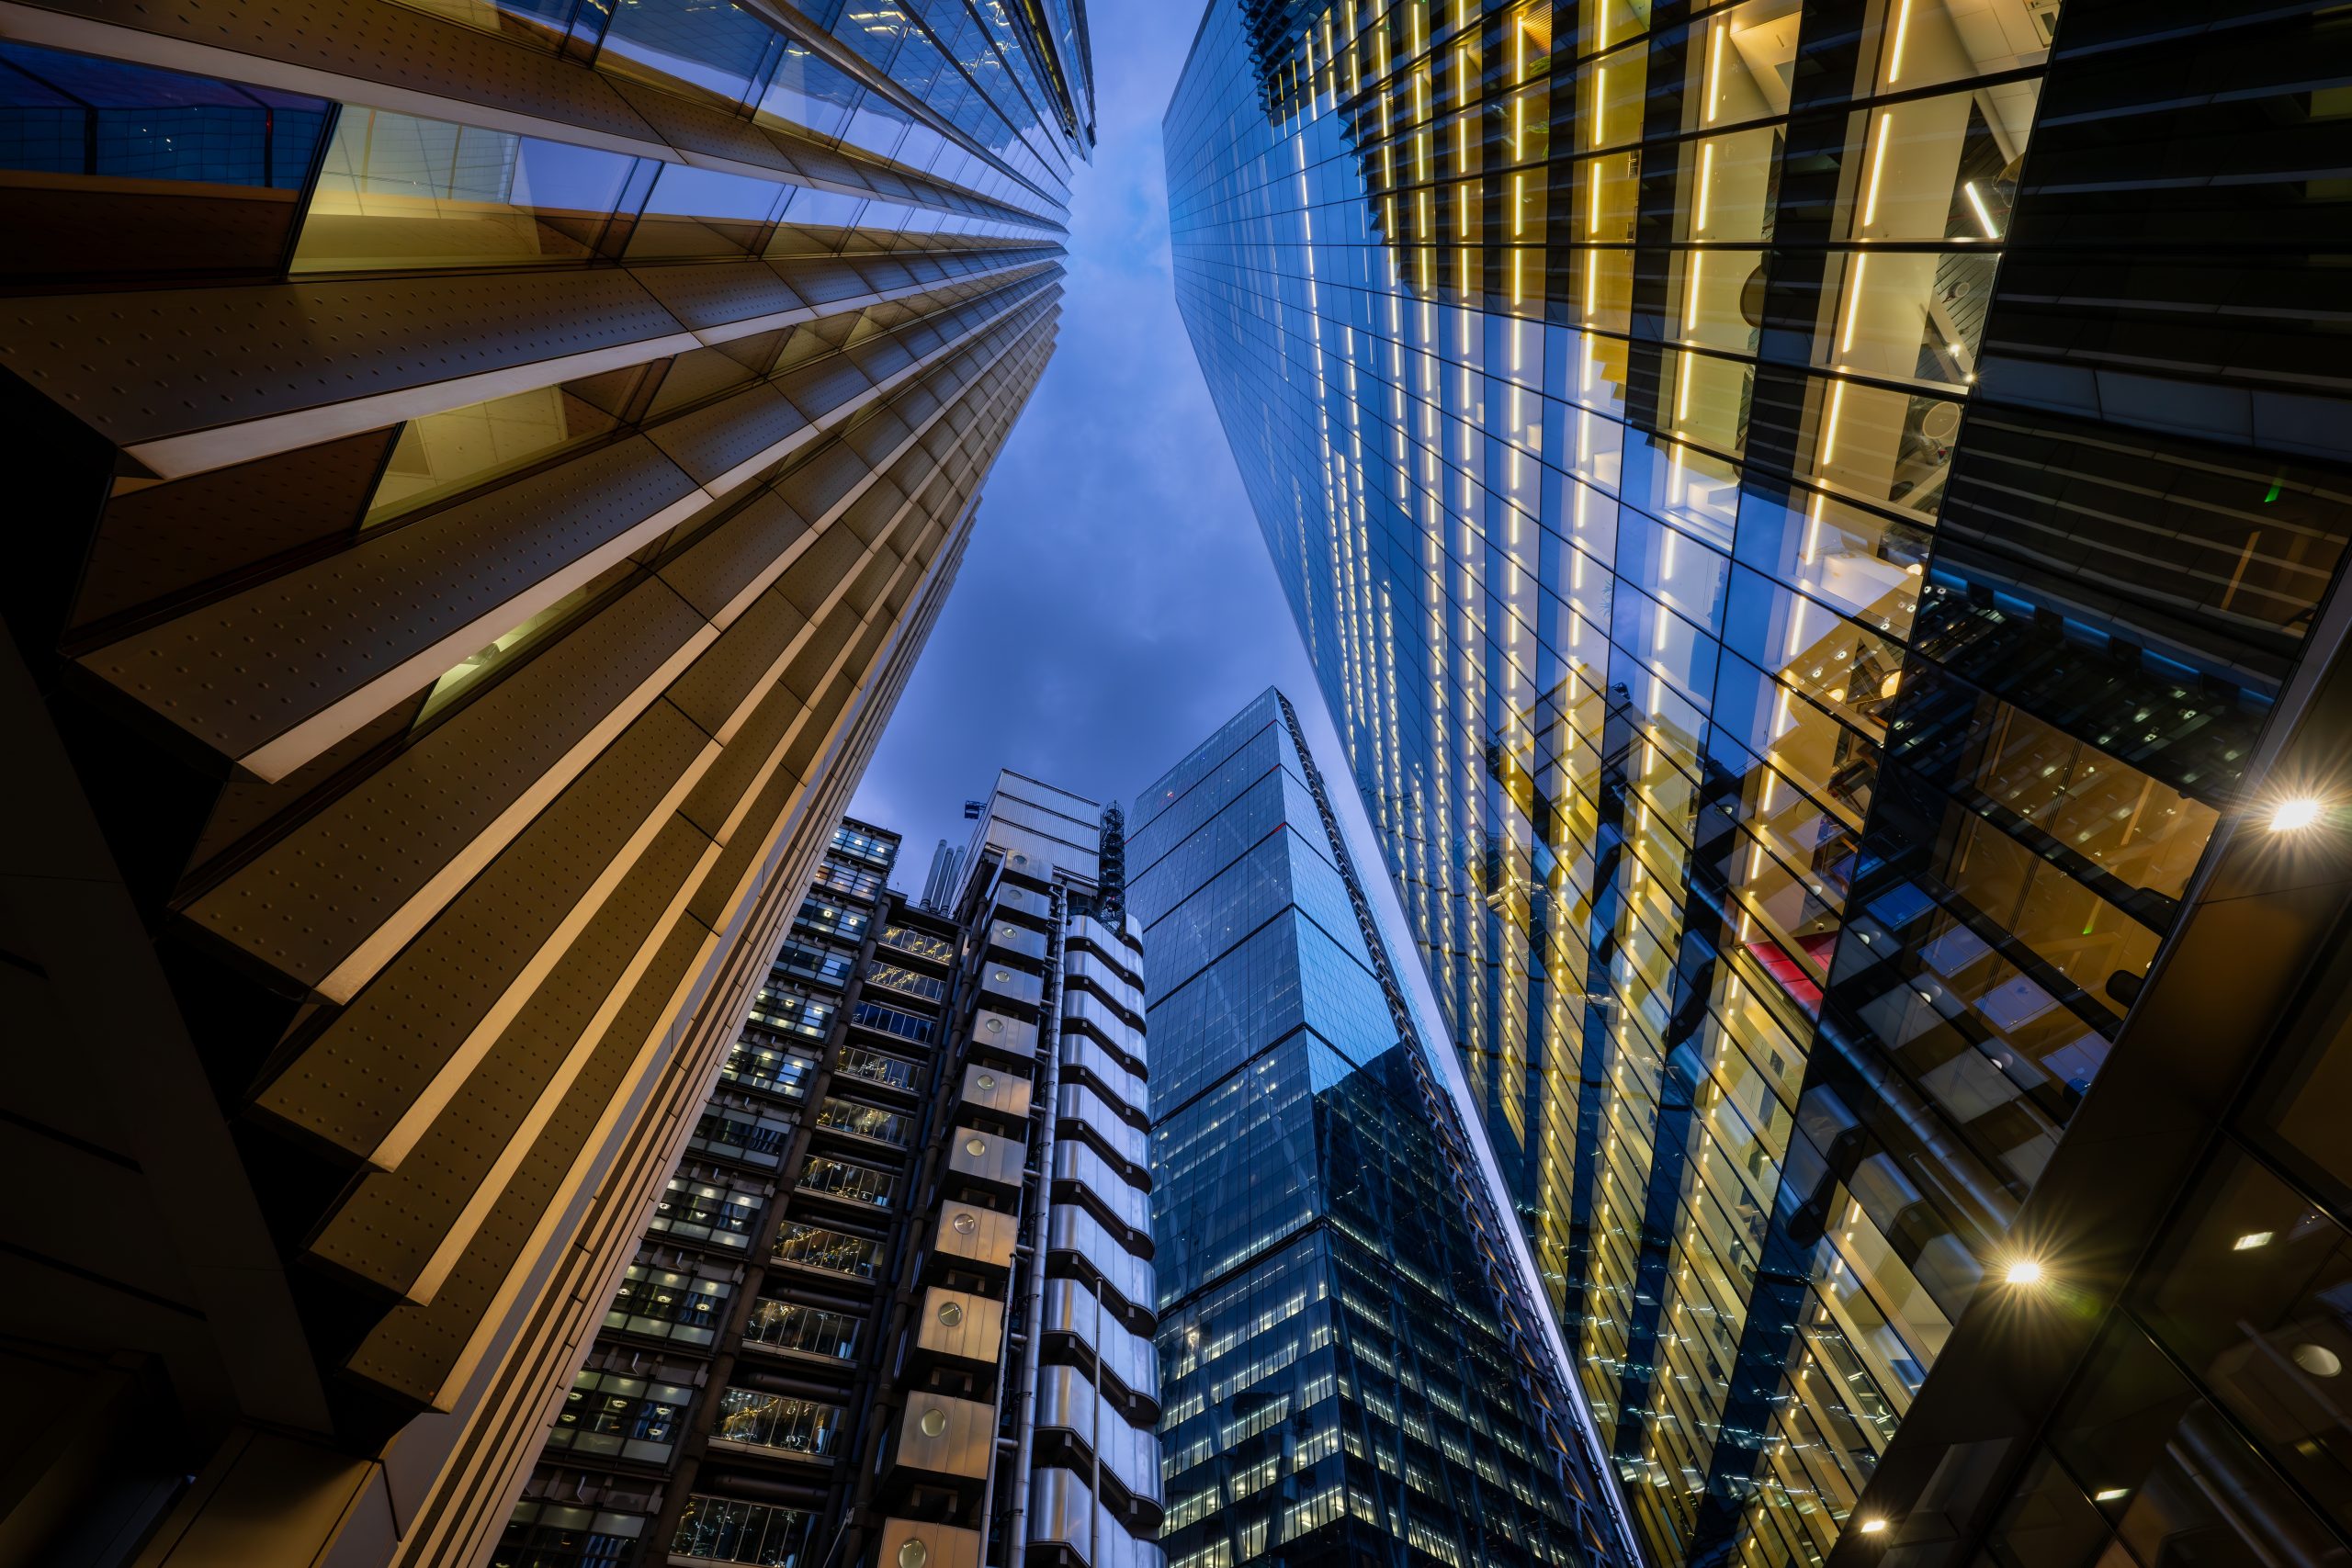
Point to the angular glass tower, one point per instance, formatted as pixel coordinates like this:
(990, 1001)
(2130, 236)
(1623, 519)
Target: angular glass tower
(482, 472)
(1346, 1373)
(1810, 517)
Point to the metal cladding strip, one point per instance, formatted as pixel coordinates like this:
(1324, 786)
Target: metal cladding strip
(455, 1239)
(177, 377)
(229, 909)
(418, 1350)
(1568, 1420)
(459, 1230)
(333, 1117)
(399, 928)
(468, 1510)
(157, 666)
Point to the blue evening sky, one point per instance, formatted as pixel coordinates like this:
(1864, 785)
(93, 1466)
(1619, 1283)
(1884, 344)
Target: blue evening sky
(1116, 604)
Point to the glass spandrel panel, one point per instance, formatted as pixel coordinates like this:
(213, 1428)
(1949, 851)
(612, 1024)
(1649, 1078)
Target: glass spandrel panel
(397, 192)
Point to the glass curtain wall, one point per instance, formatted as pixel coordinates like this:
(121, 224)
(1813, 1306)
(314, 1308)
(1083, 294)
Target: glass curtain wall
(1790, 761)
(1337, 1379)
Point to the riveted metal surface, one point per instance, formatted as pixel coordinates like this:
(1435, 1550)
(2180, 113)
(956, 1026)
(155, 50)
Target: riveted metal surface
(163, 539)
(714, 574)
(413, 1350)
(995, 1088)
(733, 670)
(818, 481)
(821, 282)
(824, 385)
(739, 861)
(142, 365)
(390, 1227)
(241, 672)
(698, 374)
(363, 1074)
(750, 750)
(703, 295)
(307, 901)
(709, 132)
(871, 515)
(378, 44)
(710, 441)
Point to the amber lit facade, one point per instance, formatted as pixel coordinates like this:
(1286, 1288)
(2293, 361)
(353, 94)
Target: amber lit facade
(1813, 519)
(481, 471)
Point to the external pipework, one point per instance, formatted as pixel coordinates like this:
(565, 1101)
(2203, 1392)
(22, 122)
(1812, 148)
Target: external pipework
(1049, 1034)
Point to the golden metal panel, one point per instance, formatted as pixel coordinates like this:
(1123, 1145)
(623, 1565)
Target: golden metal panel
(149, 364)
(712, 441)
(393, 1223)
(964, 1439)
(371, 1069)
(415, 1351)
(736, 558)
(399, 844)
(720, 688)
(960, 1324)
(715, 294)
(394, 611)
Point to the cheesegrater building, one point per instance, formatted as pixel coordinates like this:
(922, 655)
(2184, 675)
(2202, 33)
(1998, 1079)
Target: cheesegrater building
(1352, 1361)
(1817, 523)
(481, 472)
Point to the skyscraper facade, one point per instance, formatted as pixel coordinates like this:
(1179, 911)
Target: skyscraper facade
(1807, 514)
(485, 468)
(1350, 1370)
(893, 1306)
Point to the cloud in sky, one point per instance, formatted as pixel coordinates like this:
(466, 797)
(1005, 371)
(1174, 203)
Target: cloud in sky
(1117, 602)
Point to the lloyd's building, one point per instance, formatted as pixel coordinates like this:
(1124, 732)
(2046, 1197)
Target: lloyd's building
(1818, 526)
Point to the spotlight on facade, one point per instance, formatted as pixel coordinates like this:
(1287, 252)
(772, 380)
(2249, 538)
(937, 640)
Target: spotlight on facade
(2024, 1271)
(2292, 816)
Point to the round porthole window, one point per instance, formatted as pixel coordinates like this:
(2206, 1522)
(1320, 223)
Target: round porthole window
(934, 1423)
(963, 1224)
(1021, 860)
(951, 1314)
(2318, 1360)
(995, 1026)
(1004, 975)
(976, 1147)
(987, 1081)
(912, 1554)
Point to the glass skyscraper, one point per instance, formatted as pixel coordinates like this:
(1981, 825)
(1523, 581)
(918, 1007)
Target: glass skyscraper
(1807, 515)
(1345, 1370)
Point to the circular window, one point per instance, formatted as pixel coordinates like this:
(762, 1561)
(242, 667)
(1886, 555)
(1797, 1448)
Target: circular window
(995, 1025)
(964, 1224)
(934, 1422)
(1021, 860)
(987, 1081)
(2318, 1360)
(1004, 975)
(912, 1554)
(951, 1314)
(976, 1147)
(1005, 927)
